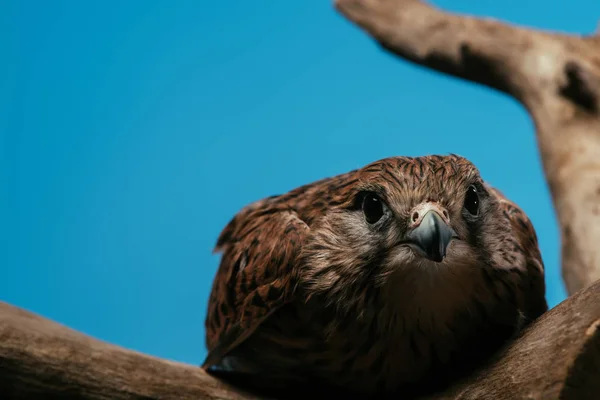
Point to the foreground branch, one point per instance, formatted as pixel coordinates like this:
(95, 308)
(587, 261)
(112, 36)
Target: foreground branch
(40, 359)
(556, 77)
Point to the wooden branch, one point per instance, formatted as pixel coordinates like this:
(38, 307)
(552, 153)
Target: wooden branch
(556, 77)
(41, 359)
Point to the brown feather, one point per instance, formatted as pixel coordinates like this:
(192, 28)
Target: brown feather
(255, 278)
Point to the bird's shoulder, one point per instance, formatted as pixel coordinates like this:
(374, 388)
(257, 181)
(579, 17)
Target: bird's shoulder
(521, 225)
(533, 283)
(307, 202)
(257, 273)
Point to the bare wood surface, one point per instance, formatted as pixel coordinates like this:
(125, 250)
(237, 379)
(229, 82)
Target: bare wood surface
(41, 359)
(556, 77)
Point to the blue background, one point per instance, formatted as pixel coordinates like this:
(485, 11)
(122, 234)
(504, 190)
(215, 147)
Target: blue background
(131, 132)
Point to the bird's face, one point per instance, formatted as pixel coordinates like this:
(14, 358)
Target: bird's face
(416, 220)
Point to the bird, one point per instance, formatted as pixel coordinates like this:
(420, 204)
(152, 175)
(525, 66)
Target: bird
(395, 277)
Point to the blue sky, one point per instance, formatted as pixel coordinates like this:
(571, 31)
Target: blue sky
(131, 132)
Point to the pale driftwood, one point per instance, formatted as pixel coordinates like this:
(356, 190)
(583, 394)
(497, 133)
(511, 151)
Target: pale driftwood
(40, 359)
(556, 77)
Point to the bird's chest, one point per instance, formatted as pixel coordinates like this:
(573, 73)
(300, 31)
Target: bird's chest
(385, 350)
(375, 347)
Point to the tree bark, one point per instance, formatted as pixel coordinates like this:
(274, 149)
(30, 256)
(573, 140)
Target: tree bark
(557, 79)
(558, 355)
(41, 359)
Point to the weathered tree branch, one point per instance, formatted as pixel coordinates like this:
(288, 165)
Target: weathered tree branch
(41, 359)
(556, 77)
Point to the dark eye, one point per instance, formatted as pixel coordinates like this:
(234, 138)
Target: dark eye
(472, 201)
(372, 207)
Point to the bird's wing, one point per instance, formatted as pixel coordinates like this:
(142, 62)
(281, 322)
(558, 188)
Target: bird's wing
(257, 275)
(534, 288)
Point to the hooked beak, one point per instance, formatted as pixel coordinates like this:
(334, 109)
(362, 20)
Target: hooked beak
(432, 236)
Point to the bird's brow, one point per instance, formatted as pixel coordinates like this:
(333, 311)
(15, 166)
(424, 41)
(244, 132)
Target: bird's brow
(372, 187)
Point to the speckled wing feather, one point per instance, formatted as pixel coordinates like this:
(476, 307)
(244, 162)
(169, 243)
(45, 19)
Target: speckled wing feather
(256, 275)
(534, 300)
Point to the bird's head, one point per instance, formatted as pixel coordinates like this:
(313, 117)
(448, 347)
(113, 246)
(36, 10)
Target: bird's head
(405, 219)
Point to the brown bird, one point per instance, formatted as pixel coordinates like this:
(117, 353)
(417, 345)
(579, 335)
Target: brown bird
(395, 276)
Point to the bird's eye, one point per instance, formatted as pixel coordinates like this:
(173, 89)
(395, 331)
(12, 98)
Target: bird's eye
(472, 201)
(372, 207)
